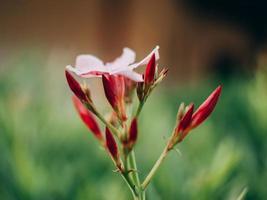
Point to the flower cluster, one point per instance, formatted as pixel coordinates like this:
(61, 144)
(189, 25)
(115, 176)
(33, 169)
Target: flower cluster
(119, 83)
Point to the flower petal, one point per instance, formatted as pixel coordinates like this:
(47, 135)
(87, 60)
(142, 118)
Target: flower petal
(146, 59)
(121, 63)
(85, 63)
(132, 75)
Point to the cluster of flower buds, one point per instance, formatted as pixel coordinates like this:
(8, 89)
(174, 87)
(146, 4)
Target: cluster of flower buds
(187, 119)
(119, 83)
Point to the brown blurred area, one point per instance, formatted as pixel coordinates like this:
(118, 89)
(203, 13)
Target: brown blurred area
(191, 44)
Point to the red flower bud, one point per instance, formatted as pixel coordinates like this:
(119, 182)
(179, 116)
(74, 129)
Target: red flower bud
(112, 146)
(88, 118)
(186, 119)
(150, 70)
(184, 124)
(206, 108)
(130, 85)
(133, 132)
(75, 86)
(115, 90)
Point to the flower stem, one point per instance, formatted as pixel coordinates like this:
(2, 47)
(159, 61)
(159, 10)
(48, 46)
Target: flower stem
(140, 106)
(110, 126)
(131, 175)
(132, 164)
(130, 184)
(155, 168)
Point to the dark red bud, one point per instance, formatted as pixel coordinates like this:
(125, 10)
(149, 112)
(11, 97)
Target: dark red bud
(186, 119)
(129, 88)
(110, 90)
(133, 132)
(114, 89)
(150, 70)
(88, 118)
(75, 86)
(112, 145)
(206, 108)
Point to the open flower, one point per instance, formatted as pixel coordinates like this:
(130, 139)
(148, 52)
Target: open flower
(90, 66)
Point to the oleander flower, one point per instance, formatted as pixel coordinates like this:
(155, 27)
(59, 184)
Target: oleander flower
(90, 66)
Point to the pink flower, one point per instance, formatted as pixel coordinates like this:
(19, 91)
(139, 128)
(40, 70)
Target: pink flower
(90, 66)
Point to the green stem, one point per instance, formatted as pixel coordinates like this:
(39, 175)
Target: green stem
(140, 106)
(135, 176)
(110, 126)
(130, 184)
(155, 168)
(133, 167)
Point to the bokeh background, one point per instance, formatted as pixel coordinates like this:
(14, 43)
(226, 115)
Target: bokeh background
(46, 152)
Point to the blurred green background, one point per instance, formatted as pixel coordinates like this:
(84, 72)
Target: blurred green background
(46, 151)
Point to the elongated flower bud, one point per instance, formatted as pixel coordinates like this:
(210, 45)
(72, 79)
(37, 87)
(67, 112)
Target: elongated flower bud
(88, 118)
(75, 86)
(133, 132)
(132, 135)
(184, 125)
(115, 90)
(113, 148)
(150, 70)
(130, 85)
(112, 145)
(186, 119)
(206, 108)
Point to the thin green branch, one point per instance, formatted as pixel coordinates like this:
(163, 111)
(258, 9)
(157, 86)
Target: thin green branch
(110, 126)
(139, 109)
(155, 168)
(130, 184)
(133, 167)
